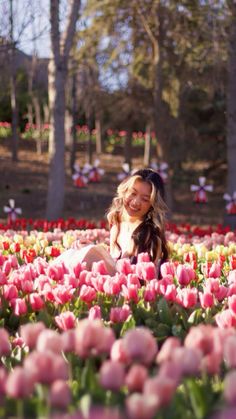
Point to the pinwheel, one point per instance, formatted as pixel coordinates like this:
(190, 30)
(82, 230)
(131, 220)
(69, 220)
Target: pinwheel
(125, 172)
(94, 172)
(11, 211)
(200, 196)
(231, 203)
(161, 168)
(79, 177)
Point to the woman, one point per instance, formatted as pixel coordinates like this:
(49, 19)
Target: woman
(136, 219)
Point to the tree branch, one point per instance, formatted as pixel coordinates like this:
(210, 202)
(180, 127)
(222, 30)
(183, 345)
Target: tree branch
(67, 36)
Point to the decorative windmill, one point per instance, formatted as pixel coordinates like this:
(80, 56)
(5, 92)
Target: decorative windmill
(12, 211)
(161, 168)
(200, 196)
(231, 203)
(126, 171)
(79, 177)
(94, 172)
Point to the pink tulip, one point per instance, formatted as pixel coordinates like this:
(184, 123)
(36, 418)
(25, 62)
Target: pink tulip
(19, 306)
(49, 340)
(87, 294)
(215, 270)
(170, 292)
(99, 268)
(130, 293)
(60, 394)
(111, 286)
(167, 268)
(141, 406)
(225, 319)
(46, 367)
(136, 377)
(30, 332)
(200, 337)
(188, 359)
(231, 290)
(95, 313)
(221, 293)
(70, 280)
(17, 342)
(232, 304)
(40, 265)
(124, 266)
(10, 292)
(161, 387)
(119, 314)
(146, 270)
(140, 345)
(6, 267)
(143, 257)
(93, 338)
(163, 283)
(171, 369)
(112, 375)
(63, 294)
(36, 301)
(3, 379)
(187, 297)
(230, 387)
(212, 285)
(211, 363)
(65, 320)
(68, 340)
(5, 346)
(167, 349)
(77, 269)
(206, 299)
(149, 293)
(3, 278)
(230, 351)
(55, 272)
(185, 274)
(118, 352)
(97, 282)
(232, 277)
(101, 412)
(27, 286)
(19, 383)
(133, 279)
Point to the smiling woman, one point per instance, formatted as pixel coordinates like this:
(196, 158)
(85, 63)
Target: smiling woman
(137, 225)
(137, 217)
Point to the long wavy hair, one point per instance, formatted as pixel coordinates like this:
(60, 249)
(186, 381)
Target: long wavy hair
(149, 236)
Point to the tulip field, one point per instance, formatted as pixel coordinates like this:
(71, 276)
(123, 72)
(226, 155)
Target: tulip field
(78, 343)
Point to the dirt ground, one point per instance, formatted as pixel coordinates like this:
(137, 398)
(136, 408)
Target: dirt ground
(26, 182)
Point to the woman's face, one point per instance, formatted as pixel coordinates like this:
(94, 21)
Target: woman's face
(137, 199)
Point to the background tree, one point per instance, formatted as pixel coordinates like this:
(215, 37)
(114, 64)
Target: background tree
(61, 44)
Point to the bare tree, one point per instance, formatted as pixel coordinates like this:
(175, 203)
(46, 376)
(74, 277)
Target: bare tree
(61, 44)
(14, 108)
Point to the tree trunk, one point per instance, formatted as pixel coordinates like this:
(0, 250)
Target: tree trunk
(68, 125)
(98, 135)
(56, 182)
(231, 114)
(128, 148)
(58, 68)
(38, 122)
(74, 123)
(89, 141)
(147, 146)
(14, 110)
